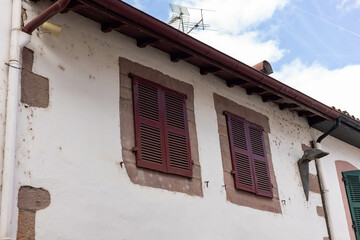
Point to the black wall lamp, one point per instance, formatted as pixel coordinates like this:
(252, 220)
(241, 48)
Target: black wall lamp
(309, 154)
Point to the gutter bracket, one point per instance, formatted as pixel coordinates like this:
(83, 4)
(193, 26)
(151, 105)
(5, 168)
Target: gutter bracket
(336, 125)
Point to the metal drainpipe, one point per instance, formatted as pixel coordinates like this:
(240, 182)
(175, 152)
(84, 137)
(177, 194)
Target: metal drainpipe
(19, 38)
(323, 183)
(45, 15)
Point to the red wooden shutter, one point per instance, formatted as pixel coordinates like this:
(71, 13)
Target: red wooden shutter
(251, 171)
(260, 162)
(176, 134)
(162, 137)
(148, 125)
(240, 153)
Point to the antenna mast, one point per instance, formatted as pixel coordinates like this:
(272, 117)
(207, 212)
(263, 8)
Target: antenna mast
(180, 19)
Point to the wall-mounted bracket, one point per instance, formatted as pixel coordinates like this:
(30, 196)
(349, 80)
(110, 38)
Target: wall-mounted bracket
(303, 163)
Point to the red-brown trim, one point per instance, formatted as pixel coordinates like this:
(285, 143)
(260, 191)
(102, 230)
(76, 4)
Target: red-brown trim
(209, 54)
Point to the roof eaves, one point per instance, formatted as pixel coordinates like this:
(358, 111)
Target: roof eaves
(211, 55)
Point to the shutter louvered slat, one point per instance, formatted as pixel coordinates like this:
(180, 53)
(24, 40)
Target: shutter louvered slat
(148, 130)
(239, 137)
(177, 136)
(174, 111)
(262, 178)
(241, 161)
(248, 156)
(148, 102)
(261, 169)
(352, 186)
(243, 170)
(257, 146)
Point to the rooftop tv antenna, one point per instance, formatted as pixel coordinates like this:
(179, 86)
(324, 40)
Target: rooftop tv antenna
(180, 19)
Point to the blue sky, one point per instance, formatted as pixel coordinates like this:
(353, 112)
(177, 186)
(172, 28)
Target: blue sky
(313, 46)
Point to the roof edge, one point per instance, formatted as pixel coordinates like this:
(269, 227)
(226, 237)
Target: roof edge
(208, 52)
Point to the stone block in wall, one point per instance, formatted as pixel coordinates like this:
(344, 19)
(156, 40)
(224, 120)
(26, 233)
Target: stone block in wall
(34, 88)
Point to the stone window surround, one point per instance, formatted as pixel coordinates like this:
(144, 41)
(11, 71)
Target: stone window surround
(143, 176)
(233, 195)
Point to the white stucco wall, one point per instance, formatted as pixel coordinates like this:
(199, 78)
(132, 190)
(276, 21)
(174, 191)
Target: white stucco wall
(73, 150)
(338, 151)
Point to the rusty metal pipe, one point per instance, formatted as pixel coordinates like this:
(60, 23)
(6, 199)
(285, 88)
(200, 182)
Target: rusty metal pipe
(45, 15)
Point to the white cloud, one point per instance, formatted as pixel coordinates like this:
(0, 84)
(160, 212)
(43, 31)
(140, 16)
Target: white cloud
(337, 87)
(348, 4)
(234, 16)
(234, 21)
(246, 47)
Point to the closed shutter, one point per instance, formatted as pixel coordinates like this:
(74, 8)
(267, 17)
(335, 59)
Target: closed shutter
(161, 128)
(352, 186)
(240, 153)
(250, 166)
(260, 162)
(148, 125)
(177, 135)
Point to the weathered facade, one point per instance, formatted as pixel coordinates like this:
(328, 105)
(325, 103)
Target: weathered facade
(75, 166)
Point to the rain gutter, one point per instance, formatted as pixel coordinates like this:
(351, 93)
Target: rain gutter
(206, 52)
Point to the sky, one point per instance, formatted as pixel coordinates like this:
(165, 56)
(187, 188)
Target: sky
(312, 45)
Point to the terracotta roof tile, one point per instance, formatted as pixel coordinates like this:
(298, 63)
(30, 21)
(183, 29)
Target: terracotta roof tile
(345, 113)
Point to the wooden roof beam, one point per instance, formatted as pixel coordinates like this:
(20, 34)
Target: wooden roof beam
(254, 90)
(74, 7)
(175, 57)
(108, 28)
(239, 82)
(306, 114)
(206, 70)
(141, 43)
(271, 98)
(314, 120)
(284, 106)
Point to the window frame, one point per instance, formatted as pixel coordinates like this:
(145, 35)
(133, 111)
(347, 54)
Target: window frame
(353, 196)
(165, 130)
(260, 183)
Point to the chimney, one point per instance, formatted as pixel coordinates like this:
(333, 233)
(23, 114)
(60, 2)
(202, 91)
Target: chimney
(264, 67)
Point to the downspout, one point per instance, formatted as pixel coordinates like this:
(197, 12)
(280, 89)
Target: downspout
(18, 39)
(45, 15)
(331, 221)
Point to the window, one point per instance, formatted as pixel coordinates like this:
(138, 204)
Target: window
(352, 186)
(248, 154)
(161, 128)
